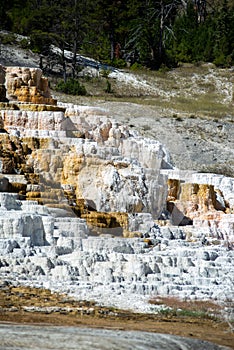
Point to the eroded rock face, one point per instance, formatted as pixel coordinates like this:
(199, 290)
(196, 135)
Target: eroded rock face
(224, 186)
(109, 185)
(23, 225)
(34, 124)
(13, 155)
(82, 162)
(206, 203)
(192, 200)
(113, 189)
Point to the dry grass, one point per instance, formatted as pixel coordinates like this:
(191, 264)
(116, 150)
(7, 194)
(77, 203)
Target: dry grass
(192, 305)
(194, 308)
(187, 89)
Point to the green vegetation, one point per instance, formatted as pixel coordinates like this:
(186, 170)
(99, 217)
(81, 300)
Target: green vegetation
(8, 39)
(121, 33)
(71, 87)
(108, 89)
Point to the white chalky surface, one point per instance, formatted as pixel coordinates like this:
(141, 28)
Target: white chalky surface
(21, 337)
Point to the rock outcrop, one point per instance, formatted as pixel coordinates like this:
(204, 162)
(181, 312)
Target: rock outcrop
(26, 85)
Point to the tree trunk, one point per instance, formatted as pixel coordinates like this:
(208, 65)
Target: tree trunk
(160, 45)
(75, 43)
(64, 67)
(112, 44)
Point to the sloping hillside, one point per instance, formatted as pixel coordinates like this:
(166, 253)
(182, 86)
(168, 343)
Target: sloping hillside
(188, 109)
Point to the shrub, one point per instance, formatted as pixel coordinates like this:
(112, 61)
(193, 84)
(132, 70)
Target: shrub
(8, 39)
(108, 89)
(163, 68)
(119, 63)
(71, 87)
(105, 73)
(220, 61)
(24, 43)
(136, 66)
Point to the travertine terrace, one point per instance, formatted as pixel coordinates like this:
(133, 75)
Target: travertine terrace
(91, 208)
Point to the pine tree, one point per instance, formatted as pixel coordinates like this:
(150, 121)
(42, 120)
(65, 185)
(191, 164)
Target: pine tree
(223, 44)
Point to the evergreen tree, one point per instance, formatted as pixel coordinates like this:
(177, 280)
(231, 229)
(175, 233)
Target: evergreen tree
(5, 21)
(223, 38)
(108, 19)
(147, 31)
(151, 29)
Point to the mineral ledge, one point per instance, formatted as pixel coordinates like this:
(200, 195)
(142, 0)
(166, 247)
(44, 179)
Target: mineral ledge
(91, 208)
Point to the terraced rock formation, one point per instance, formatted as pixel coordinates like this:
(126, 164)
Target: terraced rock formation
(91, 208)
